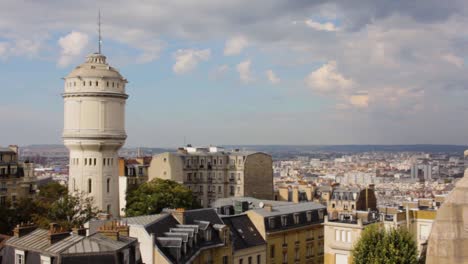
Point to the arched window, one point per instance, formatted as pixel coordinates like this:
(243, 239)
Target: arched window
(108, 208)
(90, 83)
(107, 84)
(84, 83)
(74, 182)
(97, 83)
(94, 161)
(108, 185)
(90, 187)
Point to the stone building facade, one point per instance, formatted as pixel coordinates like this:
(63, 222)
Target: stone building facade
(94, 130)
(212, 173)
(17, 179)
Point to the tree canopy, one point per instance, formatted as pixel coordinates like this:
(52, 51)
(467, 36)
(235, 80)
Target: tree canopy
(378, 246)
(153, 196)
(52, 204)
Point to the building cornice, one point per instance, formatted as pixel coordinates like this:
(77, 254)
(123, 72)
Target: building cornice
(95, 94)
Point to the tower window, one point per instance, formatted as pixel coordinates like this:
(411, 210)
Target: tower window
(97, 83)
(85, 161)
(94, 161)
(74, 184)
(107, 84)
(108, 208)
(104, 162)
(74, 83)
(108, 185)
(84, 83)
(90, 83)
(112, 84)
(90, 186)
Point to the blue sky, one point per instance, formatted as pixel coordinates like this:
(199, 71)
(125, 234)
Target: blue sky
(237, 72)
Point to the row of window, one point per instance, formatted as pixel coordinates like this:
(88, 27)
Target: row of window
(90, 83)
(5, 171)
(90, 185)
(250, 260)
(92, 161)
(284, 218)
(210, 176)
(342, 236)
(297, 256)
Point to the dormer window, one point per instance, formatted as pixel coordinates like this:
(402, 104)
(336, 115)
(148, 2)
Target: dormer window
(284, 220)
(271, 222)
(296, 218)
(309, 216)
(208, 235)
(320, 213)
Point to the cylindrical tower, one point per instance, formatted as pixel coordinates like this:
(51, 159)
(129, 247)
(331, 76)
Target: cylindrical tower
(94, 130)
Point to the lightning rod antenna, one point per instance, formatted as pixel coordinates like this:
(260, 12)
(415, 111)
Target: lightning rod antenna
(99, 31)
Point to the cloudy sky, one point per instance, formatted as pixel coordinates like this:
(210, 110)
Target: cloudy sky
(246, 72)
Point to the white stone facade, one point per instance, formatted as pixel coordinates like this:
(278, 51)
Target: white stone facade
(94, 130)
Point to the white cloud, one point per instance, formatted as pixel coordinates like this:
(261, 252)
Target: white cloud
(450, 58)
(72, 46)
(359, 100)
(327, 79)
(3, 49)
(243, 69)
(327, 26)
(235, 45)
(188, 59)
(272, 77)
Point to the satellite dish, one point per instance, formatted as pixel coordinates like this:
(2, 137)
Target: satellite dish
(261, 204)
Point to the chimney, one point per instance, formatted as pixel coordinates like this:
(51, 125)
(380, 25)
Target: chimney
(178, 214)
(23, 229)
(57, 233)
(123, 228)
(109, 231)
(80, 231)
(268, 207)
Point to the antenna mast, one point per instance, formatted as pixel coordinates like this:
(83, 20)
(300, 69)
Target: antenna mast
(99, 31)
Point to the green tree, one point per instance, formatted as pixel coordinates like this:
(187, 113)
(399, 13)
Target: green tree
(378, 246)
(151, 197)
(52, 204)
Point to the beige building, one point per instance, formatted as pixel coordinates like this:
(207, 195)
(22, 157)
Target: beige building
(213, 173)
(17, 179)
(132, 173)
(293, 233)
(94, 130)
(340, 237)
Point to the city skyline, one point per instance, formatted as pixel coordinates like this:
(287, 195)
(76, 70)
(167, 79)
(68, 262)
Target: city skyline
(246, 73)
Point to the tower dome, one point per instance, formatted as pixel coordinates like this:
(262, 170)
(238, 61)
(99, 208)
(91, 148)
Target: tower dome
(94, 130)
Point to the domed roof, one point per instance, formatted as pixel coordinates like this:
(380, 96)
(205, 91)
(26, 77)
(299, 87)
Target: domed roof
(96, 67)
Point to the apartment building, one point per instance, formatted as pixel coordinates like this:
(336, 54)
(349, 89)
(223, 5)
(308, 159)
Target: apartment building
(293, 233)
(132, 173)
(212, 173)
(16, 179)
(342, 234)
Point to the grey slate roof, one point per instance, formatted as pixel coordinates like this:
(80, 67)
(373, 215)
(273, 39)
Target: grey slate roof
(289, 209)
(38, 241)
(243, 232)
(141, 220)
(254, 202)
(99, 243)
(205, 214)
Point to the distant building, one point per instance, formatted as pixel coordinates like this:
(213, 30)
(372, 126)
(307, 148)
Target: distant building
(421, 172)
(294, 233)
(345, 201)
(132, 173)
(213, 173)
(17, 179)
(417, 217)
(33, 245)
